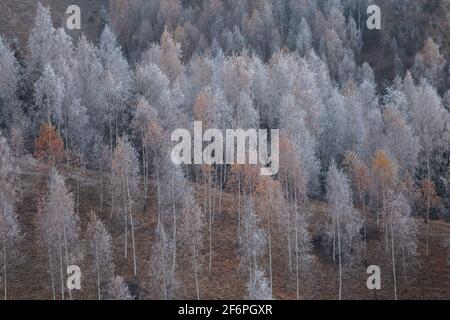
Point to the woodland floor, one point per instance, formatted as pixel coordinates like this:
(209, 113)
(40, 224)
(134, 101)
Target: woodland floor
(31, 280)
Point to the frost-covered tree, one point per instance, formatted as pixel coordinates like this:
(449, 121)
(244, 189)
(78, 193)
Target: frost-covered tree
(10, 110)
(167, 56)
(155, 86)
(144, 124)
(403, 234)
(59, 229)
(192, 235)
(118, 289)
(117, 82)
(292, 124)
(258, 287)
(163, 284)
(252, 241)
(40, 41)
(49, 94)
(399, 139)
(430, 64)
(125, 188)
(302, 250)
(431, 122)
(10, 230)
(100, 245)
(346, 223)
(89, 83)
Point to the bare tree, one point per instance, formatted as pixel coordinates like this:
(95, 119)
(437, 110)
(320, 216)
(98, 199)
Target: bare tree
(118, 289)
(100, 245)
(125, 188)
(345, 223)
(59, 229)
(9, 226)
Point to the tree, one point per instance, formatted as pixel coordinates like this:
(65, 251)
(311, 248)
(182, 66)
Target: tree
(252, 240)
(100, 245)
(399, 139)
(384, 176)
(144, 123)
(125, 188)
(49, 94)
(49, 145)
(40, 42)
(9, 83)
(117, 81)
(345, 223)
(167, 56)
(162, 284)
(430, 64)
(431, 122)
(118, 289)
(302, 249)
(293, 126)
(59, 229)
(10, 229)
(258, 287)
(270, 207)
(303, 42)
(360, 178)
(89, 83)
(428, 198)
(191, 234)
(403, 233)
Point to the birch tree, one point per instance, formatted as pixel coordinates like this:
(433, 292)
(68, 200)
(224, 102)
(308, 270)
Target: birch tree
(59, 229)
(125, 188)
(118, 289)
(163, 284)
(100, 245)
(403, 235)
(192, 236)
(258, 287)
(252, 241)
(10, 108)
(10, 230)
(345, 223)
(431, 122)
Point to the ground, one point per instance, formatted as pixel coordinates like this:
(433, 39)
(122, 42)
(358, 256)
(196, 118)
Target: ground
(30, 280)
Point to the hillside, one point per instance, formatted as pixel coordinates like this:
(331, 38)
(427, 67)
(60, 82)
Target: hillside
(16, 16)
(428, 18)
(104, 131)
(30, 280)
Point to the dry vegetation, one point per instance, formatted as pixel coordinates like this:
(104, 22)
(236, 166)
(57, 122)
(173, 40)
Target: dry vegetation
(30, 279)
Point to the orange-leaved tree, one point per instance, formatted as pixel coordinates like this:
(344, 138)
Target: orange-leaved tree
(49, 145)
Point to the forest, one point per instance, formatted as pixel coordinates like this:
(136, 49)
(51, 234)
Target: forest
(87, 178)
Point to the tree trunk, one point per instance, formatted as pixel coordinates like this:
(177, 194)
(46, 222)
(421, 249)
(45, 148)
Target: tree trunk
(174, 231)
(339, 255)
(61, 272)
(393, 258)
(296, 257)
(195, 271)
(101, 187)
(124, 215)
(4, 265)
(239, 208)
(428, 202)
(210, 224)
(51, 273)
(132, 225)
(270, 243)
(98, 271)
